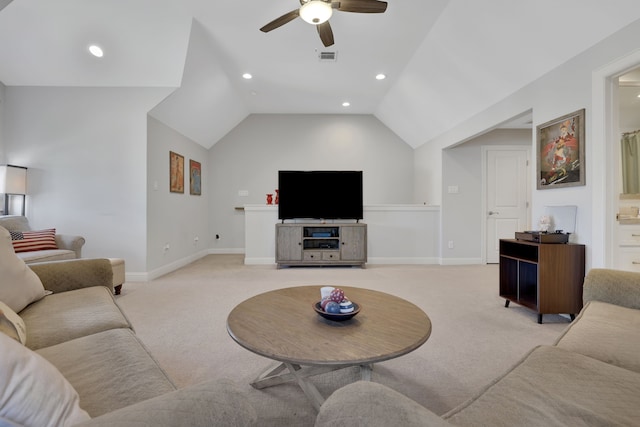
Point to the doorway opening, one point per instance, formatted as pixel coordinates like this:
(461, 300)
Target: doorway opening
(606, 132)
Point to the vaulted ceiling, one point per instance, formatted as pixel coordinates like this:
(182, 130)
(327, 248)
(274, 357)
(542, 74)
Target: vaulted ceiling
(445, 60)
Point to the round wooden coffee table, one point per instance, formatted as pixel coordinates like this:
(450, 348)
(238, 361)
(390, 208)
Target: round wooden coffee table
(283, 326)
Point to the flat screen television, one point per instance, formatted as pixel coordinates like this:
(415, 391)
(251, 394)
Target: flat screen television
(320, 195)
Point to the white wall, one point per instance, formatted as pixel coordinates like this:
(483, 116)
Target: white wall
(462, 212)
(174, 219)
(249, 157)
(396, 234)
(566, 89)
(427, 164)
(86, 150)
(87, 153)
(2, 109)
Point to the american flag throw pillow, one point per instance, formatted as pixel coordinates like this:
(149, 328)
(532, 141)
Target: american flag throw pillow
(25, 241)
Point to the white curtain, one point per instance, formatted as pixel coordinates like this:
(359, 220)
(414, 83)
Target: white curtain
(631, 162)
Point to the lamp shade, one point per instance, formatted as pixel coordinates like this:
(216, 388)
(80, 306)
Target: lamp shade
(316, 12)
(13, 179)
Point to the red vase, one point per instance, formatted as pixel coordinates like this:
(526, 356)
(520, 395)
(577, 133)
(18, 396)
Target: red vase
(277, 196)
(269, 199)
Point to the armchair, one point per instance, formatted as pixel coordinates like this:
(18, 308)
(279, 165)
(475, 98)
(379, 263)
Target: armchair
(68, 246)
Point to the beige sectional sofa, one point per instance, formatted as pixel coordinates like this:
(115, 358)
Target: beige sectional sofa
(80, 362)
(591, 376)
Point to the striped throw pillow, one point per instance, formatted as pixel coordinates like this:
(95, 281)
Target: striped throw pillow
(26, 241)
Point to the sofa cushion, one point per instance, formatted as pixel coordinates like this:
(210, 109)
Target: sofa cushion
(72, 314)
(110, 370)
(370, 404)
(606, 332)
(555, 387)
(212, 403)
(11, 324)
(40, 240)
(19, 286)
(47, 256)
(32, 391)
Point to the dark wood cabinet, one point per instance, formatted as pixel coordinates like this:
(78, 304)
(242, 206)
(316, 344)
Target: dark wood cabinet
(545, 277)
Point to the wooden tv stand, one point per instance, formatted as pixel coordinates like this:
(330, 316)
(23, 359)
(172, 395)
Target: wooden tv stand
(312, 244)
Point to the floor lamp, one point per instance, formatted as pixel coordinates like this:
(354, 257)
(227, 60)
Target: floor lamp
(13, 182)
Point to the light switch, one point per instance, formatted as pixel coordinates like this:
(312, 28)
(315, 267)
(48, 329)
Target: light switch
(453, 189)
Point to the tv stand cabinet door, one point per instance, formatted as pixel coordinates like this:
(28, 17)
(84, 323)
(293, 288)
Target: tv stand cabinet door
(353, 243)
(288, 243)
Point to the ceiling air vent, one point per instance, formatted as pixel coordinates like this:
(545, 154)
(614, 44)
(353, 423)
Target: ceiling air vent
(328, 56)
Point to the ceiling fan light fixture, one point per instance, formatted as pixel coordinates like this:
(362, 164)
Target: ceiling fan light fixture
(316, 12)
(96, 51)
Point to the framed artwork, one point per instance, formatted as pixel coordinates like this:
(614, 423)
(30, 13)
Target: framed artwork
(560, 147)
(195, 180)
(176, 172)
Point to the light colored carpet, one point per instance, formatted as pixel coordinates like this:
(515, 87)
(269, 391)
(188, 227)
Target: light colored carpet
(181, 317)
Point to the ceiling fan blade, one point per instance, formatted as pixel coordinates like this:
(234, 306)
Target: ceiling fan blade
(278, 22)
(361, 6)
(326, 33)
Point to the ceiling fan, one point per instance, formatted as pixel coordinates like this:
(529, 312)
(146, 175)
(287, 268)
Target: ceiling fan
(318, 12)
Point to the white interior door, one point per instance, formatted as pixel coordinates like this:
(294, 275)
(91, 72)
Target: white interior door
(507, 196)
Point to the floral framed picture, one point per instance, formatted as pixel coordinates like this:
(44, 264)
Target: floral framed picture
(195, 178)
(176, 172)
(560, 152)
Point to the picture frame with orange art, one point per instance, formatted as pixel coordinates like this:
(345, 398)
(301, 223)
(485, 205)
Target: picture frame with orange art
(560, 152)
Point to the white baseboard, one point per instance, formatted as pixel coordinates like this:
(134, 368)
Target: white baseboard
(376, 260)
(259, 261)
(222, 251)
(403, 260)
(168, 268)
(165, 269)
(460, 261)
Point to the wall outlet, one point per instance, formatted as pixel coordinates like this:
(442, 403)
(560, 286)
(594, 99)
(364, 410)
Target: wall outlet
(450, 244)
(167, 247)
(196, 240)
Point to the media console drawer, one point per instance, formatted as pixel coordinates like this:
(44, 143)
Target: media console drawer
(312, 256)
(330, 255)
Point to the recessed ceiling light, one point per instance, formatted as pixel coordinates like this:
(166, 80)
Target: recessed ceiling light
(247, 76)
(381, 76)
(346, 104)
(96, 51)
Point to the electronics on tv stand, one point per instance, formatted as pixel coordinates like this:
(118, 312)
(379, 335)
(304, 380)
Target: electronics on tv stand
(543, 237)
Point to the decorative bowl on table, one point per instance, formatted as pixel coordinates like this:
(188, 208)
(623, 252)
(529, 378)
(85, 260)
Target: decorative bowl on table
(336, 317)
